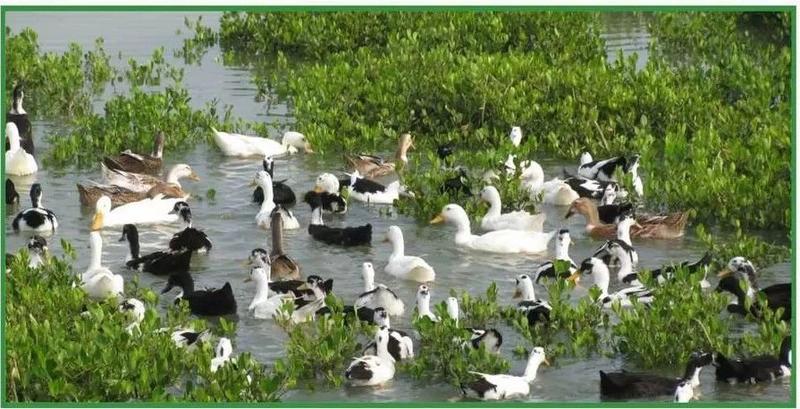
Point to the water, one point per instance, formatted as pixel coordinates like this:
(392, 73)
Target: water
(228, 219)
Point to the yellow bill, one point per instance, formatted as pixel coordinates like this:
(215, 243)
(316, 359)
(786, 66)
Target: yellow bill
(438, 219)
(97, 221)
(724, 273)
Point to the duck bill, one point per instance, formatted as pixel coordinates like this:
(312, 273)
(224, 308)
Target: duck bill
(248, 279)
(318, 189)
(438, 219)
(575, 277)
(517, 293)
(303, 286)
(724, 273)
(194, 177)
(546, 362)
(569, 214)
(307, 148)
(97, 222)
(253, 183)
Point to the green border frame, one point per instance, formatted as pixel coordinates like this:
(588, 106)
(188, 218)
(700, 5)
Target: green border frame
(792, 10)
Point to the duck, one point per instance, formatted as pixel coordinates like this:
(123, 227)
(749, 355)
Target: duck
(517, 220)
(88, 194)
(684, 393)
(283, 266)
(263, 180)
(19, 162)
(508, 167)
(633, 169)
(458, 184)
(147, 211)
(265, 305)
(585, 158)
(406, 267)
(620, 253)
(343, 236)
(777, 295)
(372, 166)
(603, 170)
(400, 346)
(378, 295)
(488, 338)
(159, 262)
(12, 197)
(206, 302)
(590, 188)
(222, 354)
(129, 161)
(554, 192)
(282, 194)
(37, 251)
(502, 386)
(445, 151)
(608, 211)
(363, 314)
(635, 385)
(548, 269)
(19, 117)
(599, 270)
(535, 310)
(371, 192)
(667, 272)
(190, 238)
(97, 281)
(306, 310)
(669, 226)
(327, 189)
(36, 218)
(232, 144)
(373, 370)
(189, 338)
(758, 369)
(515, 136)
(498, 241)
(623, 240)
(135, 311)
(424, 303)
(139, 182)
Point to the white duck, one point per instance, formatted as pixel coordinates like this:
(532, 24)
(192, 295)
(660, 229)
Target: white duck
(502, 386)
(548, 269)
(233, 144)
(424, 303)
(498, 241)
(515, 135)
(98, 281)
(555, 191)
(18, 161)
(373, 370)
(378, 296)
(222, 354)
(148, 211)
(406, 267)
(517, 220)
(599, 270)
(264, 216)
(265, 305)
(139, 182)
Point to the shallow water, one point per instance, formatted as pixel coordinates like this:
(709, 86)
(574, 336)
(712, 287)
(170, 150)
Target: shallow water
(228, 220)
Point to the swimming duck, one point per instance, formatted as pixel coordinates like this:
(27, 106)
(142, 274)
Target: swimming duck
(282, 194)
(344, 236)
(515, 136)
(599, 270)
(264, 304)
(669, 226)
(623, 240)
(406, 267)
(233, 144)
(283, 266)
(135, 311)
(684, 392)
(373, 370)
(586, 157)
(88, 194)
(327, 189)
(378, 295)
(368, 191)
(400, 345)
(222, 354)
(548, 269)
(37, 252)
(19, 118)
(139, 182)
(147, 211)
(603, 170)
(489, 338)
(667, 272)
(188, 338)
(458, 184)
(501, 386)
(517, 220)
(363, 314)
(498, 241)
(776, 295)
(12, 197)
(264, 181)
(159, 262)
(190, 238)
(620, 253)
(139, 163)
(608, 211)
(306, 310)
(554, 192)
(97, 281)
(424, 303)
(758, 369)
(18, 161)
(534, 310)
(36, 218)
(633, 385)
(374, 166)
(206, 302)
(591, 188)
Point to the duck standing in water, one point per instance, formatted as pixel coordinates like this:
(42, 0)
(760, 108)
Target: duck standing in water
(19, 117)
(502, 386)
(36, 218)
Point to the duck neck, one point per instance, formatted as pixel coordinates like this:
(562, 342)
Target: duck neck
(96, 252)
(398, 248)
(35, 260)
(369, 282)
(624, 233)
(528, 293)
(382, 350)
(316, 217)
(692, 374)
(495, 207)
(531, 369)
(590, 213)
(424, 306)
(262, 288)
(277, 236)
(174, 176)
(562, 250)
(625, 265)
(463, 231)
(133, 245)
(36, 200)
(17, 107)
(601, 279)
(268, 204)
(401, 155)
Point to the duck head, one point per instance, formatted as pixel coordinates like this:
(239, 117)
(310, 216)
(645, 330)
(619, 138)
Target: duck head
(452, 214)
(536, 359)
(381, 317)
(586, 157)
(183, 210)
(36, 195)
(37, 245)
(327, 183)
(697, 360)
(297, 141)
(515, 135)
(133, 308)
(452, 308)
(102, 207)
(523, 287)
(181, 171)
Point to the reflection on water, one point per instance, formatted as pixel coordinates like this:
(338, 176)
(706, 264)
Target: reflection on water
(228, 217)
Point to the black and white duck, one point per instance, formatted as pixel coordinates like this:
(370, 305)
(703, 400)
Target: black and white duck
(489, 338)
(502, 386)
(19, 117)
(37, 252)
(373, 370)
(264, 180)
(535, 310)
(424, 303)
(282, 193)
(623, 240)
(206, 302)
(189, 338)
(344, 236)
(608, 211)
(378, 295)
(632, 385)
(12, 197)
(667, 272)
(36, 218)
(599, 271)
(190, 238)
(326, 188)
(758, 369)
(369, 191)
(401, 346)
(603, 170)
(776, 295)
(159, 262)
(265, 305)
(548, 269)
(589, 188)
(135, 310)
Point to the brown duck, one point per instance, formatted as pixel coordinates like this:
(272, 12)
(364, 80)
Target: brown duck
(283, 267)
(371, 166)
(668, 226)
(120, 195)
(139, 163)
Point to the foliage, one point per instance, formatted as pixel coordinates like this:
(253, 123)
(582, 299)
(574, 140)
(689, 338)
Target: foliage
(195, 47)
(755, 249)
(151, 72)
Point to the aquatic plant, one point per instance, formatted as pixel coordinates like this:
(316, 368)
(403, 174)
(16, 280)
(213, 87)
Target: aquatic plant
(150, 72)
(196, 46)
